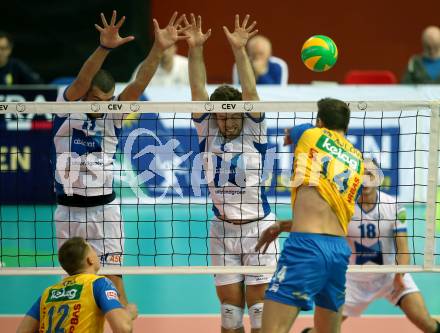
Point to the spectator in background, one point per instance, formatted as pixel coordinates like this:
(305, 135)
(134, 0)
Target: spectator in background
(14, 71)
(173, 70)
(267, 69)
(425, 68)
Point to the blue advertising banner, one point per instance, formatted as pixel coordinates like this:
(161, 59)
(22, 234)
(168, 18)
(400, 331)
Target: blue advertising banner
(25, 147)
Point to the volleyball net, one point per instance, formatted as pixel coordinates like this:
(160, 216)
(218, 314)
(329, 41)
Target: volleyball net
(161, 187)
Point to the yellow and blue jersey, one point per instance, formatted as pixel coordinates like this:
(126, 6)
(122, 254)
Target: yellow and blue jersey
(327, 160)
(76, 304)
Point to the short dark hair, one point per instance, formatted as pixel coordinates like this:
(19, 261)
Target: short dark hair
(103, 80)
(71, 255)
(4, 34)
(334, 113)
(226, 93)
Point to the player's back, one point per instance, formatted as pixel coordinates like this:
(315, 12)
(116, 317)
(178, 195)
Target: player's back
(70, 306)
(326, 180)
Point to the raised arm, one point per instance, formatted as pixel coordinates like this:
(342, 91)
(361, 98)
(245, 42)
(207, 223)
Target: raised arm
(109, 39)
(196, 63)
(238, 40)
(163, 39)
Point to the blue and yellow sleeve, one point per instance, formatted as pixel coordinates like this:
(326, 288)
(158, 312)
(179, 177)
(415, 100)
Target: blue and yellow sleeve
(34, 311)
(106, 295)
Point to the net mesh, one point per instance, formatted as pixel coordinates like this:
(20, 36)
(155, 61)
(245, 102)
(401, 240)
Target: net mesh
(161, 189)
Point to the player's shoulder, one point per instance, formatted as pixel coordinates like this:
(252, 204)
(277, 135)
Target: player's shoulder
(299, 132)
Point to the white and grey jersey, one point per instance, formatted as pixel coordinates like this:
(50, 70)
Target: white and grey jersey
(234, 169)
(84, 152)
(372, 234)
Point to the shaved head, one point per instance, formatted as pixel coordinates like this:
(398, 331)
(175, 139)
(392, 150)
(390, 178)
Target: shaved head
(259, 47)
(431, 42)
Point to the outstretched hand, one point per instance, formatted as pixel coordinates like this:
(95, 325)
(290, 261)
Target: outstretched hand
(194, 31)
(109, 33)
(168, 36)
(268, 236)
(241, 34)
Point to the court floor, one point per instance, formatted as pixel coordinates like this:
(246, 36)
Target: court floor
(208, 324)
(169, 235)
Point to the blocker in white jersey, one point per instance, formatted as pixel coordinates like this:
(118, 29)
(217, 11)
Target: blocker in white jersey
(234, 168)
(85, 147)
(84, 152)
(372, 237)
(371, 234)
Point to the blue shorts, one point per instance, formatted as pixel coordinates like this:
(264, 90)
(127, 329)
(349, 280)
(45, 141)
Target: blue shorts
(311, 269)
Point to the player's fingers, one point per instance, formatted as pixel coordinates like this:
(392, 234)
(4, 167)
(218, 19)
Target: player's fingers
(156, 25)
(185, 20)
(179, 21)
(251, 26)
(237, 21)
(113, 20)
(245, 21)
(121, 22)
(193, 19)
(127, 39)
(99, 28)
(104, 21)
(173, 18)
(181, 30)
(266, 247)
(226, 30)
(199, 22)
(253, 33)
(182, 37)
(208, 34)
(259, 244)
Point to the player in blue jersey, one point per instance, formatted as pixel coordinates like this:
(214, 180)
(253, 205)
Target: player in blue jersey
(80, 302)
(85, 146)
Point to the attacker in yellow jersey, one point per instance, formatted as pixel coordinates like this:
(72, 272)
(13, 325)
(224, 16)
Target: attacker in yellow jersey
(326, 182)
(81, 302)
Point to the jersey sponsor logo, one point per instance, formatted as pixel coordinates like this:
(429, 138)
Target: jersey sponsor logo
(84, 144)
(111, 258)
(68, 293)
(3, 107)
(232, 172)
(329, 146)
(111, 294)
(366, 254)
(354, 190)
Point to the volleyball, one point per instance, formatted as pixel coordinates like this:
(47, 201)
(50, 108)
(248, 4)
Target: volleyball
(319, 53)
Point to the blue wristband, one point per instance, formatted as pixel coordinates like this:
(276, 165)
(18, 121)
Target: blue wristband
(105, 47)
